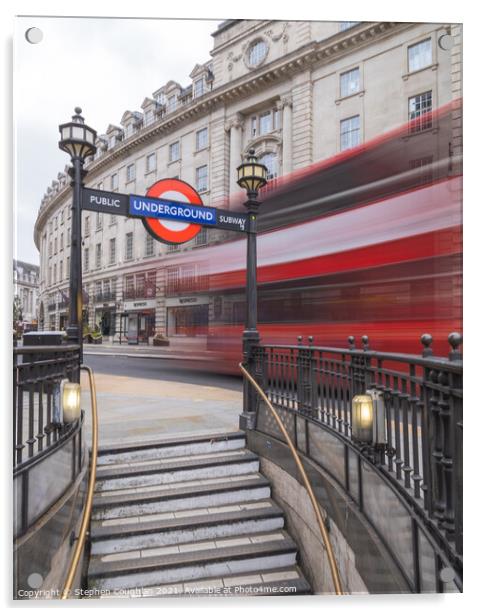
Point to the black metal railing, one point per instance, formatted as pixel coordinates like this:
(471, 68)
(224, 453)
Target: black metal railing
(105, 296)
(423, 414)
(37, 372)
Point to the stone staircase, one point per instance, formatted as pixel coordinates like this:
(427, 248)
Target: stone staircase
(188, 517)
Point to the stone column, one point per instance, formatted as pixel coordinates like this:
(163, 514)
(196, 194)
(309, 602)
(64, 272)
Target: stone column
(285, 105)
(235, 127)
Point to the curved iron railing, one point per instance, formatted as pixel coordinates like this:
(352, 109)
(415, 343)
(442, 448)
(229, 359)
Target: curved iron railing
(90, 491)
(422, 396)
(335, 574)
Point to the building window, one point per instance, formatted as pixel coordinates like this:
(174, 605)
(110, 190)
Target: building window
(112, 141)
(148, 117)
(61, 217)
(151, 162)
(61, 271)
(114, 181)
(149, 245)
(112, 251)
(202, 178)
(55, 273)
(257, 53)
(202, 237)
(67, 242)
(98, 221)
(350, 132)
(87, 226)
(424, 165)
(50, 248)
(67, 268)
(55, 246)
(265, 123)
(350, 82)
(61, 241)
(129, 287)
(346, 25)
(271, 162)
(113, 219)
(129, 240)
(199, 87)
(86, 259)
(419, 112)
(56, 222)
(131, 172)
(98, 255)
(174, 152)
(419, 55)
(69, 212)
(98, 291)
(254, 125)
(171, 103)
(100, 185)
(202, 139)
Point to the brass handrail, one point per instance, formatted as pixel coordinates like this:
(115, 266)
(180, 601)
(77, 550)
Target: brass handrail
(90, 490)
(335, 574)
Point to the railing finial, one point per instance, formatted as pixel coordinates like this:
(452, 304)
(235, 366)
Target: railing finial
(310, 340)
(351, 342)
(365, 343)
(455, 340)
(300, 340)
(426, 340)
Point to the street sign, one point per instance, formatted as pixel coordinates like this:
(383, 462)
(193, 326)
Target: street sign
(105, 202)
(171, 211)
(173, 230)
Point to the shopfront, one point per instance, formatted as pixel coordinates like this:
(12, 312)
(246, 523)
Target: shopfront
(139, 320)
(187, 316)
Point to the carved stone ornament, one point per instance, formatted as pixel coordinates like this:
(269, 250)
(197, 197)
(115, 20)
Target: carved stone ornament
(283, 34)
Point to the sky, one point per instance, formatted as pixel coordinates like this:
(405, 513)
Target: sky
(105, 66)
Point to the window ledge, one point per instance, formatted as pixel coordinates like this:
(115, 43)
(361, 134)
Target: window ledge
(433, 129)
(360, 93)
(432, 67)
(149, 172)
(206, 149)
(172, 162)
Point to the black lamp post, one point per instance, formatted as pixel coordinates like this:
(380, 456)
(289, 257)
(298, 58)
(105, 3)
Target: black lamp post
(78, 140)
(251, 176)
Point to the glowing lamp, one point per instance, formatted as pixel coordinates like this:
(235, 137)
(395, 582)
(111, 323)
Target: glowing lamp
(70, 401)
(252, 175)
(368, 418)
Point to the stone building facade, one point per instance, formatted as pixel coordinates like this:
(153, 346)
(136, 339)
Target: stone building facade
(26, 288)
(296, 92)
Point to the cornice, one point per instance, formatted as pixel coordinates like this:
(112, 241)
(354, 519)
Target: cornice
(314, 53)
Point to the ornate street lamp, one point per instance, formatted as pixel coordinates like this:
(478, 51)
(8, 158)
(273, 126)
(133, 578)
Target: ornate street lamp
(78, 140)
(252, 176)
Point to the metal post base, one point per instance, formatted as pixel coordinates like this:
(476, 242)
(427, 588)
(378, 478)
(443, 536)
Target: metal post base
(247, 421)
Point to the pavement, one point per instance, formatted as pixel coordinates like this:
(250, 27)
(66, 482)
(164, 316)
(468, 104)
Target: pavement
(132, 408)
(179, 348)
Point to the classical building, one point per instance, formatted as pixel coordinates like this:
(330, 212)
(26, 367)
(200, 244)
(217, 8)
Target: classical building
(296, 92)
(26, 288)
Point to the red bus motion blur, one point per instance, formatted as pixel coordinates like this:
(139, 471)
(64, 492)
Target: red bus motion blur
(368, 242)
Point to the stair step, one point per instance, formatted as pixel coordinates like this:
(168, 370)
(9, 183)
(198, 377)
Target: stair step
(203, 494)
(108, 539)
(192, 562)
(169, 448)
(119, 476)
(281, 581)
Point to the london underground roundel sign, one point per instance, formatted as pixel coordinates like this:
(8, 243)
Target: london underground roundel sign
(171, 231)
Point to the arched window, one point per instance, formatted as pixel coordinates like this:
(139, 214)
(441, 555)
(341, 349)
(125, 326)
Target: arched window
(271, 161)
(257, 52)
